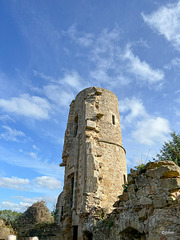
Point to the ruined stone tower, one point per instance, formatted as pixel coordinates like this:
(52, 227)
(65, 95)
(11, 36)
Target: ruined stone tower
(93, 156)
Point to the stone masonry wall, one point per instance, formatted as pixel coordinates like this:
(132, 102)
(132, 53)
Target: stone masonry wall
(93, 156)
(149, 208)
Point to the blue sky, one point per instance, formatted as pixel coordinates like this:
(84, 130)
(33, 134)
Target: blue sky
(52, 49)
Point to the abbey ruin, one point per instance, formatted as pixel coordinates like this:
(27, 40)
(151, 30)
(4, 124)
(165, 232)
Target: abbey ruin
(99, 200)
(93, 204)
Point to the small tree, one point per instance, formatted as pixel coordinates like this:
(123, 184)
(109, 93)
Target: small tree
(170, 150)
(9, 215)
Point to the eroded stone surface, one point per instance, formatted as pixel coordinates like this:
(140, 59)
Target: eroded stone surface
(152, 211)
(95, 170)
(93, 156)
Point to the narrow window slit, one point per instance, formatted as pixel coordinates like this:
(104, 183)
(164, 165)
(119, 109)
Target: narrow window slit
(72, 190)
(75, 126)
(124, 178)
(113, 119)
(75, 232)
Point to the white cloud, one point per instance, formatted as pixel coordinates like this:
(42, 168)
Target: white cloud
(32, 154)
(13, 182)
(175, 62)
(107, 59)
(166, 20)
(73, 80)
(19, 207)
(145, 128)
(151, 130)
(40, 164)
(38, 184)
(49, 199)
(56, 94)
(5, 118)
(48, 182)
(26, 105)
(116, 66)
(11, 134)
(133, 108)
(142, 70)
(83, 39)
(27, 202)
(43, 76)
(35, 147)
(61, 91)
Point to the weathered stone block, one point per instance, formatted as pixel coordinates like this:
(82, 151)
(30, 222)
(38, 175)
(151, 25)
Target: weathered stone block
(90, 124)
(151, 188)
(145, 201)
(164, 171)
(141, 193)
(142, 213)
(152, 165)
(173, 171)
(130, 179)
(159, 202)
(169, 183)
(141, 181)
(4, 232)
(123, 197)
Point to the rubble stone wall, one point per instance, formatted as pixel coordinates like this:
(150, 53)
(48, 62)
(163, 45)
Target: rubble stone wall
(149, 208)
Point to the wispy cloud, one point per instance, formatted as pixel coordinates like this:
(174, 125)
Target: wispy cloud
(166, 21)
(83, 39)
(106, 56)
(43, 76)
(11, 134)
(152, 130)
(39, 164)
(58, 95)
(26, 105)
(73, 80)
(115, 65)
(32, 200)
(31, 154)
(141, 69)
(6, 118)
(145, 128)
(38, 184)
(49, 182)
(14, 182)
(133, 108)
(19, 207)
(61, 91)
(27, 202)
(35, 147)
(111, 66)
